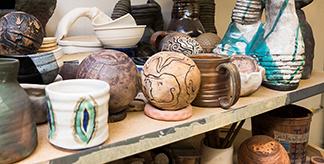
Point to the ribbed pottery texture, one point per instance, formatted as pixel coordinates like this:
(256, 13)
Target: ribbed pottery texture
(78, 113)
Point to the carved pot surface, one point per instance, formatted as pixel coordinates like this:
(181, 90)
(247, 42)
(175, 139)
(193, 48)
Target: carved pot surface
(20, 34)
(118, 70)
(262, 149)
(170, 80)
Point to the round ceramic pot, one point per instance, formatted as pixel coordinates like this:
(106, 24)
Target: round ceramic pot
(18, 136)
(210, 155)
(39, 68)
(170, 80)
(78, 113)
(176, 42)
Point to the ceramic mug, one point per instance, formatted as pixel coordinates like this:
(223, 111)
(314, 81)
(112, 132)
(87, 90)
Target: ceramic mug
(78, 113)
(220, 81)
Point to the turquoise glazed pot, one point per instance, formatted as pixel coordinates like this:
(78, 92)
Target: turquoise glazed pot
(18, 136)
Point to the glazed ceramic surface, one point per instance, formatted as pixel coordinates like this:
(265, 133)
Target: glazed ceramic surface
(20, 34)
(251, 73)
(206, 15)
(120, 37)
(103, 21)
(80, 44)
(39, 68)
(18, 136)
(170, 80)
(217, 77)
(43, 11)
(176, 42)
(185, 18)
(78, 113)
(117, 69)
(165, 115)
(262, 149)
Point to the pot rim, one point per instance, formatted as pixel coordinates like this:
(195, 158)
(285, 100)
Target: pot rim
(209, 57)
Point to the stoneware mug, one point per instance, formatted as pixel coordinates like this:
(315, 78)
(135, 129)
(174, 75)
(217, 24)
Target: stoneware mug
(220, 81)
(78, 113)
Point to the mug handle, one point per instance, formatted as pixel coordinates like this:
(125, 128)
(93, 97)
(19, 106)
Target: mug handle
(226, 102)
(157, 37)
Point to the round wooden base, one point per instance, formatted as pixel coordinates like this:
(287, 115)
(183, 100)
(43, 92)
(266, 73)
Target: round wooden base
(166, 115)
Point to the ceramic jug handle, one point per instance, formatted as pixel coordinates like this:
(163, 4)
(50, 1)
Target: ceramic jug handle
(157, 37)
(226, 102)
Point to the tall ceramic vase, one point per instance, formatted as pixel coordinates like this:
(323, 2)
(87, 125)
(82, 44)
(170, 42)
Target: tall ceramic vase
(283, 59)
(18, 137)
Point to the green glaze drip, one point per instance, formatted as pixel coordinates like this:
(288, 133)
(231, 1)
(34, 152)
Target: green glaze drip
(296, 43)
(51, 121)
(85, 123)
(283, 7)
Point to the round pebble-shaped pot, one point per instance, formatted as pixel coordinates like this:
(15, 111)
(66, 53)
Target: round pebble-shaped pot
(18, 136)
(20, 34)
(117, 69)
(262, 149)
(170, 80)
(78, 113)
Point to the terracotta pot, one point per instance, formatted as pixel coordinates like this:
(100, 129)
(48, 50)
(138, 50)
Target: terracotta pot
(175, 41)
(117, 69)
(262, 149)
(289, 125)
(18, 136)
(170, 80)
(217, 75)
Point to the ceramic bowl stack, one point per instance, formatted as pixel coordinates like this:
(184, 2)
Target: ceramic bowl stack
(49, 44)
(283, 72)
(122, 32)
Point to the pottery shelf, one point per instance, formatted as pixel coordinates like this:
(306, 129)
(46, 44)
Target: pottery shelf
(139, 133)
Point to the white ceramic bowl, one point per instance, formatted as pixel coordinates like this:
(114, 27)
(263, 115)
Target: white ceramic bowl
(101, 22)
(78, 113)
(121, 37)
(250, 82)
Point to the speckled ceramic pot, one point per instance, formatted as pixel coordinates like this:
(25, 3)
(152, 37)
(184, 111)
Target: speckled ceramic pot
(170, 80)
(262, 149)
(117, 69)
(78, 113)
(18, 136)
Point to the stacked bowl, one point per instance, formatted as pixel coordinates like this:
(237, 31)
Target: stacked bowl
(122, 32)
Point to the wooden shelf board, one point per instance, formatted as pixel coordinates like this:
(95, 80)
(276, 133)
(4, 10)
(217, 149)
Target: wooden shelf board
(138, 133)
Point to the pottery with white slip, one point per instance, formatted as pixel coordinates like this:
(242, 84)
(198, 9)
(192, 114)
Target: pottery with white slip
(78, 113)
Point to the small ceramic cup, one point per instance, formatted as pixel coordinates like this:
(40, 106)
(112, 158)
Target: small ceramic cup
(78, 113)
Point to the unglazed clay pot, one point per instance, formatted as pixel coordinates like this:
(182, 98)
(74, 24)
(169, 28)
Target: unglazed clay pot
(118, 70)
(20, 34)
(170, 80)
(262, 149)
(18, 136)
(175, 41)
(208, 41)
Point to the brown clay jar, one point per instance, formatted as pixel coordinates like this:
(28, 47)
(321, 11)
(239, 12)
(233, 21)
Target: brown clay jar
(117, 69)
(262, 149)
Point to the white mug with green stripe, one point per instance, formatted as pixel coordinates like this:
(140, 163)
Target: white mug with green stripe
(78, 113)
